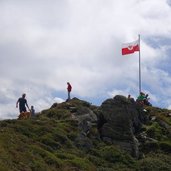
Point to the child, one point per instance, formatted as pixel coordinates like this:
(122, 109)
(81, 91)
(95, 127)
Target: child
(32, 111)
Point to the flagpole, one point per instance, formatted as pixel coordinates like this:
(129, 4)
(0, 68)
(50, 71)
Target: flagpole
(139, 65)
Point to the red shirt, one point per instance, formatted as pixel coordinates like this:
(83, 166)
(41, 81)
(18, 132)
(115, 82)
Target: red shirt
(69, 88)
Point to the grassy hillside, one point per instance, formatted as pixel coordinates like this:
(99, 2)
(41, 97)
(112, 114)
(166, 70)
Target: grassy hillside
(48, 142)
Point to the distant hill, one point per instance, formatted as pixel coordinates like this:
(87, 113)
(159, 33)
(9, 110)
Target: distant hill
(119, 135)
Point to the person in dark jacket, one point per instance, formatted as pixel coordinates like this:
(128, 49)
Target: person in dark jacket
(22, 104)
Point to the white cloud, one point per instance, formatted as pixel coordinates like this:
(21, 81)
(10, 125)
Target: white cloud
(43, 45)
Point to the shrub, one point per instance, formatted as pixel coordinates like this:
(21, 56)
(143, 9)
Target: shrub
(114, 155)
(165, 146)
(155, 131)
(51, 143)
(57, 113)
(153, 164)
(150, 146)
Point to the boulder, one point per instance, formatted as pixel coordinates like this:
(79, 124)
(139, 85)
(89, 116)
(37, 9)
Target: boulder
(87, 120)
(119, 120)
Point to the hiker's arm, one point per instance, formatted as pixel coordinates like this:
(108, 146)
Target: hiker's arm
(17, 103)
(27, 105)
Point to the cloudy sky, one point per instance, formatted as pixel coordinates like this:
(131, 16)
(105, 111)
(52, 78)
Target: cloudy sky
(44, 44)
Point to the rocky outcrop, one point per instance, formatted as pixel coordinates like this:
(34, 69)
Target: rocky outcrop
(83, 113)
(119, 120)
(86, 121)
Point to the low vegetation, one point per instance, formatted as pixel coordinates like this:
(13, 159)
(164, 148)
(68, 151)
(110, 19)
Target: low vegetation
(47, 142)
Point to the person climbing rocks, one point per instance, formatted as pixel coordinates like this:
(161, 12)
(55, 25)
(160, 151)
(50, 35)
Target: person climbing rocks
(143, 99)
(146, 100)
(129, 96)
(140, 98)
(69, 88)
(131, 99)
(22, 104)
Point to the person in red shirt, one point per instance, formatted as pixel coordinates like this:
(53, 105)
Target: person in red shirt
(69, 88)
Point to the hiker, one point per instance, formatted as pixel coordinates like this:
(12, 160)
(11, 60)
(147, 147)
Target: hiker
(32, 110)
(22, 104)
(69, 88)
(129, 96)
(146, 100)
(131, 99)
(141, 98)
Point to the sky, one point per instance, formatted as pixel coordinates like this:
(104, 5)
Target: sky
(45, 44)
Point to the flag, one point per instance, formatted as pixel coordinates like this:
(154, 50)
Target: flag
(128, 48)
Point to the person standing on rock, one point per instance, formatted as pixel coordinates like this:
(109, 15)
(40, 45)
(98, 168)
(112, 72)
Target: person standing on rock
(69, 88)
(22, 104)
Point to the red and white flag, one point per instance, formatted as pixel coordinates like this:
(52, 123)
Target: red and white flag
(128, 48)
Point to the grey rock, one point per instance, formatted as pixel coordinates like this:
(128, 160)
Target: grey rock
(121, 119)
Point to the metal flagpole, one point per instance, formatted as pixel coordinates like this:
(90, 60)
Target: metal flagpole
(139, 65)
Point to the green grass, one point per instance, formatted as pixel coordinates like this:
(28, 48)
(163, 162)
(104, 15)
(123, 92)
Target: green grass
(155, 162)
(47, 142)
